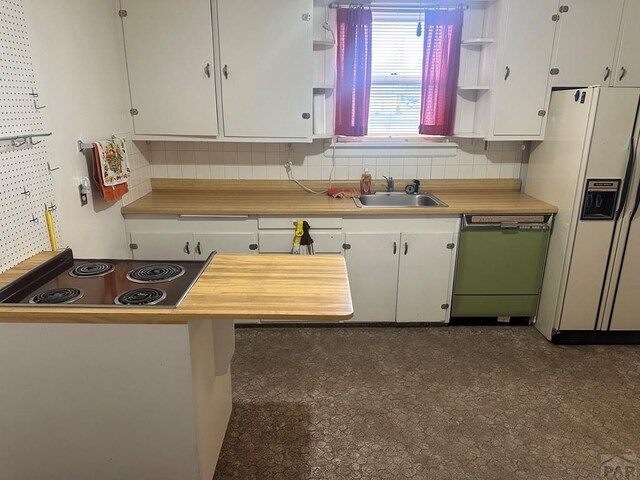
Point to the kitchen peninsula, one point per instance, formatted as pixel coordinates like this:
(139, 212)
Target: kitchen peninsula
(132, 392)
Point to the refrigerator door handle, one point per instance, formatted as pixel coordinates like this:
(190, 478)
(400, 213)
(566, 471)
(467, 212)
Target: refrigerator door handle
(636, 205)
(627, 179)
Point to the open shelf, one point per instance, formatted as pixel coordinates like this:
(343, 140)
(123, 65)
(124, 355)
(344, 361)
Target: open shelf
(477, 42)
(323, 43)
(473, 87)
(468, 135)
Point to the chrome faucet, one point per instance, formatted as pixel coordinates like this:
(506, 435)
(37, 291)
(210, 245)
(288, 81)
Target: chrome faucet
(389, 181)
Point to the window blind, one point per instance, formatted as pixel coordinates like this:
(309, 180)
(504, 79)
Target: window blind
(396, 74)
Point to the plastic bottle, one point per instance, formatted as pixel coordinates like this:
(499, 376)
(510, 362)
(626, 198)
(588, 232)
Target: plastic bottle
(365, 182)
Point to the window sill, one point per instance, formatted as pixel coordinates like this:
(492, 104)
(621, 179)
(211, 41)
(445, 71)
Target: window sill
(393, 147)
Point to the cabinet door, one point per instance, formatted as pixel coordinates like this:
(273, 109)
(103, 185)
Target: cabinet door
(169, 53)
(425, 279)
(587, 35)
(627, 71)
(372, 265)
(224, 242)
(162, 246)
(266, 64)
(521, 87)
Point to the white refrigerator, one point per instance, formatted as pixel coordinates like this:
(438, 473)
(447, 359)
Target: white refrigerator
(587, 166)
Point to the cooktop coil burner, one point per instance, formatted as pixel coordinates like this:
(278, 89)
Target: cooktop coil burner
(58, 295)
(141, 296)
(92, 269)
(161, 272)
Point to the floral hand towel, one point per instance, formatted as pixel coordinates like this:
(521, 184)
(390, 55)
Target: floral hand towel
(113, 162)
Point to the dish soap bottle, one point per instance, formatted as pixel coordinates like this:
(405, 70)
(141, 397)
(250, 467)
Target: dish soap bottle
(365, 182)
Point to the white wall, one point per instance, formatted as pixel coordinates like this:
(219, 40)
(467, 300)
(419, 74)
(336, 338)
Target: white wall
(77, 47)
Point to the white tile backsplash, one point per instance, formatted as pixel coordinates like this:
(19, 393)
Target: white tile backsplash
(142, 168)
(261, 161)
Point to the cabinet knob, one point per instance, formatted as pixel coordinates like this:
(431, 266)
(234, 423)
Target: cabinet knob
(623, 72)
(225, 71)
(507, 72)
(198, 249)
(207, 70)
(306, 115)
(444, 306)
(187, 249)
(395, 247)
(607, 73)
(406, 247)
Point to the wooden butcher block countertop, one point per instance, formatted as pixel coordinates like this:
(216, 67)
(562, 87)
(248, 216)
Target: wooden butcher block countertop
(264, 198)
(231, 287)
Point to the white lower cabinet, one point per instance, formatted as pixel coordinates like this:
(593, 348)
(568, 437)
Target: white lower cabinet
(205, 243)
(161, 246)
(403, 270)
(400, 269)
(425, 274)
(189, 246)
(177, 238)
(372, 265)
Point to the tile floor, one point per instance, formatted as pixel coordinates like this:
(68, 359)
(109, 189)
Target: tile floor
(427, 403)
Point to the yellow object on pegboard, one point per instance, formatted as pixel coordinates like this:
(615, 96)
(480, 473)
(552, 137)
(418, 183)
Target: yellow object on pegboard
(52, 232)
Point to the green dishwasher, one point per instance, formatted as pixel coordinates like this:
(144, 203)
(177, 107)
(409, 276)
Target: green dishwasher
(500, 265)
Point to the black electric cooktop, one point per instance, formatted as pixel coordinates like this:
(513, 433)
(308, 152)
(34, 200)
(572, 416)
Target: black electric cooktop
(65, 281)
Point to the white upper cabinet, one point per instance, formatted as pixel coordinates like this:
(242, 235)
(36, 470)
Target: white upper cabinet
(266, 68)
(169, 53)
(627, 69)
(586, 42)
(521, 84)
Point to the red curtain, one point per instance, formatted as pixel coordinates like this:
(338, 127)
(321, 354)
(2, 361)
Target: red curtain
(353, 82)
(440, 66)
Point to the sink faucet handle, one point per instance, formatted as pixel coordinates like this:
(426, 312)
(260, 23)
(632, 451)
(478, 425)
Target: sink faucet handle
(413, 187)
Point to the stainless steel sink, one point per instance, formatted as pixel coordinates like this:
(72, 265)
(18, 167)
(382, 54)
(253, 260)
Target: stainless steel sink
(398, 200)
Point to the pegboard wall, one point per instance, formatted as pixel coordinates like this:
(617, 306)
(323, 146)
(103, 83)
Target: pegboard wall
(26, 183)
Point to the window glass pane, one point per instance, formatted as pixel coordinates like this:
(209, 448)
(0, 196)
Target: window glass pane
(396, 74)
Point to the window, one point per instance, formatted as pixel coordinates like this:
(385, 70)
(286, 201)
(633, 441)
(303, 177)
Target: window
(389, 81)
(396, 74)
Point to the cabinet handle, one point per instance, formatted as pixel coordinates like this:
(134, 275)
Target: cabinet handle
(207, 70)
(406, 247)
(198, 249)
(607, 73)
(623, 72)
(225, 71)
(187, 250)
(395, 247)
(507, 72)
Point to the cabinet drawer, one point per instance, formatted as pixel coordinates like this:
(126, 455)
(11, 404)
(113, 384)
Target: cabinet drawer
(494, 305)
(282, 241)
(316, 223)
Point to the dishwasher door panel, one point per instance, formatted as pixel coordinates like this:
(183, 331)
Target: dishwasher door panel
(500, 261)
